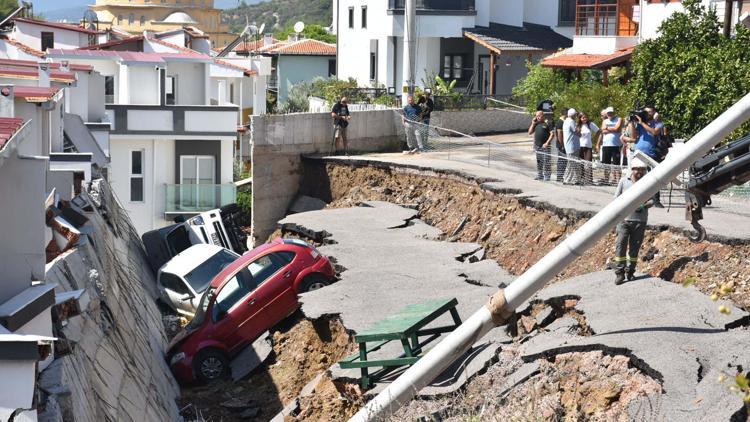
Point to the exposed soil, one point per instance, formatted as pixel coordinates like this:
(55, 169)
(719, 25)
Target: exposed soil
(331, 400)
(517, 232)
(302, 349)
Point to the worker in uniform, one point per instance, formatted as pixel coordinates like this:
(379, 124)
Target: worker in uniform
(631, 231)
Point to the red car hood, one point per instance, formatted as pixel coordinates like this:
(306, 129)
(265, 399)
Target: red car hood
(179, 338)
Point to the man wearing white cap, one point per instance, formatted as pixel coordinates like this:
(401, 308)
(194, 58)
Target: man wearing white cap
(572, 141)
(611, 144)
(631, 231)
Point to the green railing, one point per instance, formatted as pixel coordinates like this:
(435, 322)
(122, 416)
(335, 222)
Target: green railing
(199, 198)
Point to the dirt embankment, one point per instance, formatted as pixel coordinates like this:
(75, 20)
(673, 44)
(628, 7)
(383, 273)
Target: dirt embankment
(517, 232)
(302, 349)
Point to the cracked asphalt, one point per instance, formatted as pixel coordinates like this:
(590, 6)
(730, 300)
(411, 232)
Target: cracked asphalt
(674, 334)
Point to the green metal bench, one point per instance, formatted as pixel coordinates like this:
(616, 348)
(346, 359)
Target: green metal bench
(405, 326)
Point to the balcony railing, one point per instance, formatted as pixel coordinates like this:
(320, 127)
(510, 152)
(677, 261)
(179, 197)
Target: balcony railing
(604, 18)
(190, 199)
(436, 5)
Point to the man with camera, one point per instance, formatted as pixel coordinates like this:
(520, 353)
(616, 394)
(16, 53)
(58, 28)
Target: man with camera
(542, 130)
(341, 117)
(648, 131)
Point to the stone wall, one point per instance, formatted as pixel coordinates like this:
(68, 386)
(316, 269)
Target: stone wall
(278, 142)
(110, 363)
(481, 121)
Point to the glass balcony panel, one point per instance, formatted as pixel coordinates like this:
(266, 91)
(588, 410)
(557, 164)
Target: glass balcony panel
(195, 198)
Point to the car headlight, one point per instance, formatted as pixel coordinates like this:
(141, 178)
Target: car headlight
(177, 357)
(196, 221)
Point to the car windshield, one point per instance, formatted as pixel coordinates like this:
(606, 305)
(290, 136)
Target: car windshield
(202, 275)
(200, 312)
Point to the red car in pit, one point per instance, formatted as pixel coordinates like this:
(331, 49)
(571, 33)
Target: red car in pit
(245, 299)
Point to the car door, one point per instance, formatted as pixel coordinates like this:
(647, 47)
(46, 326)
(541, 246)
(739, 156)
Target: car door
(177, 292)
(272, 300)
(231, 307)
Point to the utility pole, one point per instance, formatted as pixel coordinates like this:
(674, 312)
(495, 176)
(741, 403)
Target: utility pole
(410, 45)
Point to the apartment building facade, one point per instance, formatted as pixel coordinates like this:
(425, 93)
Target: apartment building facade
(482, 44)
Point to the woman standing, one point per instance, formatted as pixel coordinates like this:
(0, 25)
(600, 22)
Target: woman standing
(588, 130)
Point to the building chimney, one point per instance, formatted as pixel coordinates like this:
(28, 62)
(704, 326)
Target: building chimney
(44, 70)
(7, 99)
(267, 40)
(293, 37)
(65, 65)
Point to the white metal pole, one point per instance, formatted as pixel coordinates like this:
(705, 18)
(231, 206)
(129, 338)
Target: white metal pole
(410, 45)
(481, 322)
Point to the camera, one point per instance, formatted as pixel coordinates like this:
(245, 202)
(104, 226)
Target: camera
(638, 111)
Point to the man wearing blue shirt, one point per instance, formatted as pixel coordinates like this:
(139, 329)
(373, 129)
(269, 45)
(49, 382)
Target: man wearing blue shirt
(412, 126)
(647, 131)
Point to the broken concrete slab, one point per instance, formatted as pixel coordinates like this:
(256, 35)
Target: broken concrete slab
(306, 203)
(672, 333)
(519, 376)
(385, 261)
(251, 357)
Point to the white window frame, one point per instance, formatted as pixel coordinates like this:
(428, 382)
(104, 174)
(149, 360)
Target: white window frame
(197, 159)
(140, 175)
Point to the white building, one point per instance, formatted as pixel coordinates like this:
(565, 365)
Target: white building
(174, 120)
(606, 31)
(43, 35)
(483, 44)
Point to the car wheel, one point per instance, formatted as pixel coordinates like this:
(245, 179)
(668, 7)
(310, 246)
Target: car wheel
(210, 365)
(313, 282)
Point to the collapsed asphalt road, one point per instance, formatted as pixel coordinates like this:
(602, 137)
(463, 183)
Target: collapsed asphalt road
(671, 333)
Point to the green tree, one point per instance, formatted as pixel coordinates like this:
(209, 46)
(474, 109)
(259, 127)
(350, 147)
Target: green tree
(313, 32)
(7, 6)
(691, 72)
(541, 83)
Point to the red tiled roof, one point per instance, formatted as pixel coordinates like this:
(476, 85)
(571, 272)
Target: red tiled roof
(8, 127)
(195, 32)
(35, 65)
(23, 47)
(305, 47)
(35, 94)
(587, 61)
(245, 47)
(57, 25)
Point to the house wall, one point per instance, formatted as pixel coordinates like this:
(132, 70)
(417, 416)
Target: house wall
(35, 142)
(292, 70)
(56, 127)
(144, 85)
(508, 12)
(160, 168)
(546, 12)
(654, 14)
(31, 35)
(22, 185)
(191, 82)
(96, 98)
(77, 97)
(13, 52)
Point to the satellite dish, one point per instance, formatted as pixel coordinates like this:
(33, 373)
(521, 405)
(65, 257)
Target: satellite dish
(299, 27)
(260, 30)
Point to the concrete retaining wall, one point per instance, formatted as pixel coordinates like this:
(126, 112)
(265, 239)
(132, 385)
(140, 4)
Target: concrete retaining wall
(115, 369)
(481, 121)
(279, 141)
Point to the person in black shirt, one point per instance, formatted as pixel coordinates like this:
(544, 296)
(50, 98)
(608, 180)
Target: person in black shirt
(562, 163)
(341, 117)
(543, 133)
(427, 105)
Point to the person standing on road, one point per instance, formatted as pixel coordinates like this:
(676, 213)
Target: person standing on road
(648, 130)
(572, 141)
(341, 118)
(560, 145)
(411, 123)
(631, 231)
(611, 144)
(588, 130)
(543, 133)
(427, 105)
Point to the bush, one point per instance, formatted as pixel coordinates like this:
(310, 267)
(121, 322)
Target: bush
(691, 72)
(298, 99)
(588, 95)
